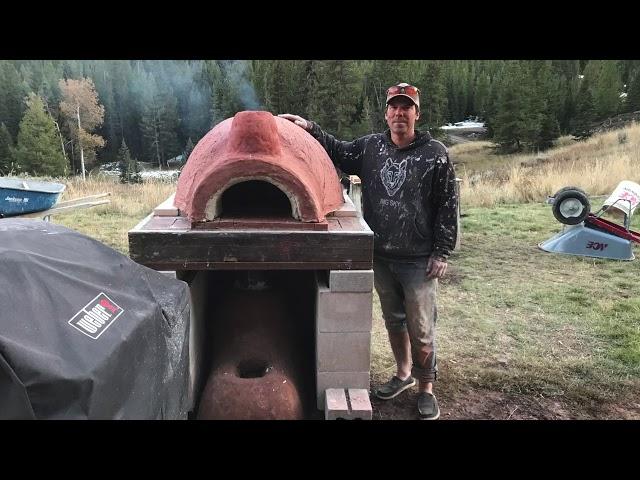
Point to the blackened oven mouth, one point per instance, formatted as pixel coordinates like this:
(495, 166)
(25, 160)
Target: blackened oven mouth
(255, 199)
(253, 368)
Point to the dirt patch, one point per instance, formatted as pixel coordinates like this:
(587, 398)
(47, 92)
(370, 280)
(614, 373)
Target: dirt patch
(478, 404)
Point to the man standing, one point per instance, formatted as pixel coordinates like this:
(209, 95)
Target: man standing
(410, 202)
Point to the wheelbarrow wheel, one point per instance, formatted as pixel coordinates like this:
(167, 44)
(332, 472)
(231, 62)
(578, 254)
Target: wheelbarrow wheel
(571, 205)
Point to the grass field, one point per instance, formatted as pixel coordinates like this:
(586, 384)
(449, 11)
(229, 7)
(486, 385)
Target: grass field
(596, 165)
(515, 322)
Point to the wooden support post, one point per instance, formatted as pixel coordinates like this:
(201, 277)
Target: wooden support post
(355, 192)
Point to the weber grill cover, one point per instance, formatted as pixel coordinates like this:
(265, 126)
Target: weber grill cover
(85, 332)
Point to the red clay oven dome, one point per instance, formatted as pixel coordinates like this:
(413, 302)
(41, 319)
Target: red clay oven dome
(257, 146)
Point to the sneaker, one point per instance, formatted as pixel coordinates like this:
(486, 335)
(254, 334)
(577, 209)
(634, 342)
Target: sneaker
(394, 387)
(428, 406)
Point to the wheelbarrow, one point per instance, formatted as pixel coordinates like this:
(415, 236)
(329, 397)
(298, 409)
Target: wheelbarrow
(588, 234)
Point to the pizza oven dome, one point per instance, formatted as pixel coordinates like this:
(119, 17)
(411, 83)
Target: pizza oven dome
(256, 161)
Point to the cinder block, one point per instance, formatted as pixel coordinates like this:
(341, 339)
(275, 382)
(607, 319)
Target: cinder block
(325, 380)
(343, 311)
(347, 404)
(343, 352)
(360, 404)
(335, 404)
(351, 280)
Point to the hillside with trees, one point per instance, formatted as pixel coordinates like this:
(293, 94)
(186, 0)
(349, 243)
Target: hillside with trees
(159, 109)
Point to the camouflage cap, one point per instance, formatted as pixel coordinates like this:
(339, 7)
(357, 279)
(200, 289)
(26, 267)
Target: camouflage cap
(404, 90)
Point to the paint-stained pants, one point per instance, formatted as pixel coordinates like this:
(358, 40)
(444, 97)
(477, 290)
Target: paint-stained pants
(408, 303)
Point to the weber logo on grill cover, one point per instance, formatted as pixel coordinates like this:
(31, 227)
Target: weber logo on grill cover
(96, 316)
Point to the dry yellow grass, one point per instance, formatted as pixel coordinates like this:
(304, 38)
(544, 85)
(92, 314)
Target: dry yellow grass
(136, 200)
(129, 204)
(470, 148)
(596, 165)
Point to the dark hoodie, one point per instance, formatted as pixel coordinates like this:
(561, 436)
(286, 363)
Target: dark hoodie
(409, 193)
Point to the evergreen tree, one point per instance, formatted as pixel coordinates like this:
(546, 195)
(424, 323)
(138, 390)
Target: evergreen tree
(628, 69)
(188, 148)
(72, 69)
(283, 85)
(129, 92)
(491, 106)
(128, 165)
(550, 88)
(569, 89)
(633, 95)
(305, 74)
(12, 94)
(481, 99)
(566, 78)
(585, 111)
(545, 102)
(606, 86)
(276, 84)
(549, 131)
(433, 98)
(49, 89)
(169, 124)
(457, 81)
(109, 128)
(469, 89)
(38, 147)
(517, 120)
(27, 78)
(214, 74)
(6, 150)
(337, 91)
(159, 123)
